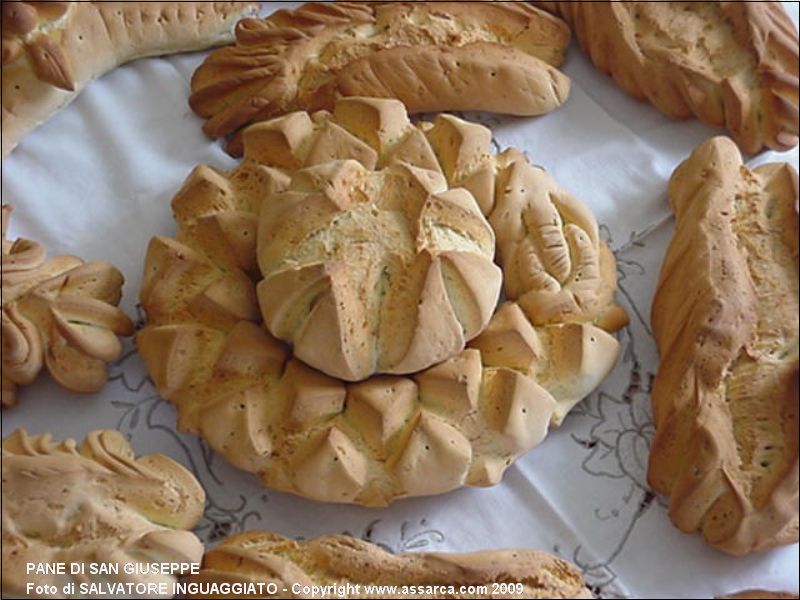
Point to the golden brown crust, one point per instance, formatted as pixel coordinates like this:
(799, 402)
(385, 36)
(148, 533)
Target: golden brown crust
(725, 318)
(730, 64)
(459, 423)
(438, 56)
(364, 269)
(65, 502)
(51, 50)
(60, 313)
(339, 560)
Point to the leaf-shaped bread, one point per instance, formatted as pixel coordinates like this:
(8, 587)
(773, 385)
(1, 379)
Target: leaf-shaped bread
(60, 313)
(491, 56)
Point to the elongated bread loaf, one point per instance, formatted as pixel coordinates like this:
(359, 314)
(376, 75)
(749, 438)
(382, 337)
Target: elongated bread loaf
(725, 318)
(60, 313)
(496, 57)
(730, 64)
(51, 50)
(461, 422)
(265, 558)
(94, 502)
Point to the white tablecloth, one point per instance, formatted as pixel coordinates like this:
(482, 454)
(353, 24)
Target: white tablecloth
(97, 181)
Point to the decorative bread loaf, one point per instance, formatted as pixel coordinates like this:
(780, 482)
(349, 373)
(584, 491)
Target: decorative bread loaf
(725, 318)
(375, 266)
(266, 558)
(51, 50)
(496, 57)
(93, 503)
(730, 64)
(460, 422)
(60, 313)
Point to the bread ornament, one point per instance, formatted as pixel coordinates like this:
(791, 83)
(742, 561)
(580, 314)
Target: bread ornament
(460, 422)
(725, 319)
(433, 56)
(729, 64)
(51, 50)
(94, 502)
(369, 263)
(265, 558)
(59, 313)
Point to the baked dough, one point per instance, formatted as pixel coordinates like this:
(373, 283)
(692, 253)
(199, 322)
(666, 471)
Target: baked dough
(338, 560)
(461, 422)
(58, 313)
(495, 57)
(369, 264)
(725, 318)
(51, 50)
(93, 502)
(730, 64)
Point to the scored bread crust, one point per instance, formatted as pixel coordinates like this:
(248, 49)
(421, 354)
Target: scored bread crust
(65, 502)
(730, 64)
(59, 313)
(375, 266)
(496, 57)
(462, 422)
(259, 556)
(51, 50)
(725, 319)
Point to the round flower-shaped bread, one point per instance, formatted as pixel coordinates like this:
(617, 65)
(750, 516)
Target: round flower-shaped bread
(370, 263)
(341, 211)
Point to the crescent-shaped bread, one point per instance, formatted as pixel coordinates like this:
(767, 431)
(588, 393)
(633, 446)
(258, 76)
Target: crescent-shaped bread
(52, 50)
